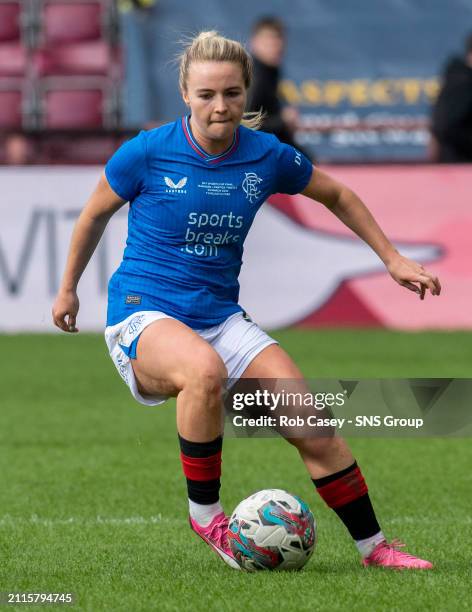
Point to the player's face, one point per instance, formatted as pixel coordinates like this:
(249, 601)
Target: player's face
(216, 95)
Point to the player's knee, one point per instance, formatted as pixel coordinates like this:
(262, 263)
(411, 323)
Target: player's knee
(207, 375)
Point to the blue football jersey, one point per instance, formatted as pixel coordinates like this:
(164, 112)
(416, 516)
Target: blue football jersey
(188, 217)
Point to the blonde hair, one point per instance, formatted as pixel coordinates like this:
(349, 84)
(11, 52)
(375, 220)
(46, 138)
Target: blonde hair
(210, 46)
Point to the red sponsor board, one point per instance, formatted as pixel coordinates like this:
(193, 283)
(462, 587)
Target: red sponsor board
(417, 206)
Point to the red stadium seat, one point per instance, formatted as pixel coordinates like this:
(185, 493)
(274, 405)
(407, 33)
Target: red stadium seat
(90, 58)
(73, 108)
(66, 22)
(9, 21)
(12, 59)
(10, 108)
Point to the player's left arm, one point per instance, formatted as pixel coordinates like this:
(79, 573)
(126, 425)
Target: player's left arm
(350, 209)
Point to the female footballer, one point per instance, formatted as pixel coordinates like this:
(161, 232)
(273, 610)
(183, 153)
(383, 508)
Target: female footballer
(174, 325)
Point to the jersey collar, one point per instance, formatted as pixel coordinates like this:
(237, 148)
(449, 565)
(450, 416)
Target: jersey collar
(211, 159)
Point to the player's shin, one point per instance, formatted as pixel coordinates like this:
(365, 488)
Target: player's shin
(201, 463)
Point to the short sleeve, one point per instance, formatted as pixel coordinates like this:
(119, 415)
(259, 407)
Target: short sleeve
(293, 169)
(126, 169)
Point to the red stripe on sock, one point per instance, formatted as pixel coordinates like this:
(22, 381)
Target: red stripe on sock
(345, 489)
(202, 468)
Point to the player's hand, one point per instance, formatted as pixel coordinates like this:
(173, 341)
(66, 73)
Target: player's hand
(413, 276)
(66, 305)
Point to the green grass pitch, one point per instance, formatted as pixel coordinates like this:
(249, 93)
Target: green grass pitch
(92, 499)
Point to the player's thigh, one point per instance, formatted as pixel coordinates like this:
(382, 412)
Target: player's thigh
(276, 371)
(272, 362)
(169, 355)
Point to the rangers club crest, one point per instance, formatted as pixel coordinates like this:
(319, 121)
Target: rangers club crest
(251, 186)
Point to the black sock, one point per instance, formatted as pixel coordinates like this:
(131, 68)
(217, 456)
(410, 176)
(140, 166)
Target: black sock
(201, 462)
(346, 493)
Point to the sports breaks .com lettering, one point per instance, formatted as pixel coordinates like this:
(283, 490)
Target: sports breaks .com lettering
(206, 233)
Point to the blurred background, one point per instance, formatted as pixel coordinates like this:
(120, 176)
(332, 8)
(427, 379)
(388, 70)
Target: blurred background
(377, 94)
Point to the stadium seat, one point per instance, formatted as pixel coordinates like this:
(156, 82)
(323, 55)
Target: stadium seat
(90, 58)
(66, 22)
(12, 59)
(73, 108)
(10, 108)
(9, 21)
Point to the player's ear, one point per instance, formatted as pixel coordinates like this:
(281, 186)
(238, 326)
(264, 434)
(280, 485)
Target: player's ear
(185, 97)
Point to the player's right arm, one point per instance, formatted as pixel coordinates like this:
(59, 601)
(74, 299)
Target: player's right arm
(88, 230)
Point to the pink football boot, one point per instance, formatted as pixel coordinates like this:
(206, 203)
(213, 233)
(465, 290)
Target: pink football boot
(388, 555)
(215, 535)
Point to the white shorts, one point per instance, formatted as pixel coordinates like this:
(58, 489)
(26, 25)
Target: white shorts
(237, 341)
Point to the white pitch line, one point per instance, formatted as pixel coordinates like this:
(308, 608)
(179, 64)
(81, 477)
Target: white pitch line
(158, 519)
(418, 520)
(8, 520)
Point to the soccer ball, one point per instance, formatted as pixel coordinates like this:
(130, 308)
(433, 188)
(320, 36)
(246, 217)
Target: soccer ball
(272, 529)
